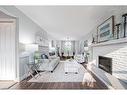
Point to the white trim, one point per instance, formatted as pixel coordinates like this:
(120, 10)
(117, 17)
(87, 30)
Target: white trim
(111, 42)
(17, 49)
(7, 13)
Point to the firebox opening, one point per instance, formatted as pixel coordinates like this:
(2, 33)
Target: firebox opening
(105, 63)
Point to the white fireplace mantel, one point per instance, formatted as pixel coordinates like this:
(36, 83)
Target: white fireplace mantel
(117, 50)
(111, 42)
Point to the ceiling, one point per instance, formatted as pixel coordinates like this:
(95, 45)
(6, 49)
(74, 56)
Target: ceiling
(64, 21)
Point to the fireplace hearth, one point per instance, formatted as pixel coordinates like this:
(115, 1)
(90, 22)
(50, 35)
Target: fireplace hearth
(105, 63)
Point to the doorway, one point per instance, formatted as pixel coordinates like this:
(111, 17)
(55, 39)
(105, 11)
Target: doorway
(7, 49)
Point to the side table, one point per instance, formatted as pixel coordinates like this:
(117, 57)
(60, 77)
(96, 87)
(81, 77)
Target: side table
(32, 67)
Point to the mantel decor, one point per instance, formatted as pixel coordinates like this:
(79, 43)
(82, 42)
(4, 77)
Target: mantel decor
(124, 16)
(106, 30)
(118, 30)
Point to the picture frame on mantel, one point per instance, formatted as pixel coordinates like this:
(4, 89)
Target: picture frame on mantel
(105, 31)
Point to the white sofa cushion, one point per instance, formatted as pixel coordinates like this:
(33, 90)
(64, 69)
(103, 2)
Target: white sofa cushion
(46, 60)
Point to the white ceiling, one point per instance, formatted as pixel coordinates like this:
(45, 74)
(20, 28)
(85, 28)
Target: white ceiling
(63, 21)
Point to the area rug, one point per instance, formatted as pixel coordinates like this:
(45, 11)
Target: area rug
(59, 75)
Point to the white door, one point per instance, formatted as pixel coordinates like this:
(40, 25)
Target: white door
(7, 49)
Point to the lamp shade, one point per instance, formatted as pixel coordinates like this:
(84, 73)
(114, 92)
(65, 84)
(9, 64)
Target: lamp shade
(31, 47)
(86, 48)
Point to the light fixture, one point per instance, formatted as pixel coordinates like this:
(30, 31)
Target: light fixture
(68, 41)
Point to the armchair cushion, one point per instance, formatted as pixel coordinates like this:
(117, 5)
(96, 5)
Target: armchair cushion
(79, 58)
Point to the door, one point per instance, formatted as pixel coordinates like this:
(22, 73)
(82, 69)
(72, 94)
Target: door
(7, 49)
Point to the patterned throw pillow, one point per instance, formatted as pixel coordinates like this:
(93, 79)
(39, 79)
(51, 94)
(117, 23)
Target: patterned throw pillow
(43, 56)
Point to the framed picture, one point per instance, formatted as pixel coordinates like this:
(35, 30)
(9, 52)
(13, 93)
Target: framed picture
(106, 30)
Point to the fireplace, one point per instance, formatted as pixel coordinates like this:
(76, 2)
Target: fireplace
(105, 63)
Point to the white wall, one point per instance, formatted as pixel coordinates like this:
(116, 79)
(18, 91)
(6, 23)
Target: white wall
(26, 29)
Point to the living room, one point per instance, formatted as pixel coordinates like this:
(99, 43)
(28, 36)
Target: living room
(63, 47)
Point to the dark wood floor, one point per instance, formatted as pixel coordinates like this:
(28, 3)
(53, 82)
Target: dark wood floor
(60, 85)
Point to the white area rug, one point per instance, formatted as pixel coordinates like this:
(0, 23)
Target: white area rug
(59, 75)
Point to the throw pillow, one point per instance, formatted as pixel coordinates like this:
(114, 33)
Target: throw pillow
(43, 56)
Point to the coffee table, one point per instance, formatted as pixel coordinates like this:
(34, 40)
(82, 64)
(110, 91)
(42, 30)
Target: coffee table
(71, 66)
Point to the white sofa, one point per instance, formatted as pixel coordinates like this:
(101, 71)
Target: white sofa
(48, 64)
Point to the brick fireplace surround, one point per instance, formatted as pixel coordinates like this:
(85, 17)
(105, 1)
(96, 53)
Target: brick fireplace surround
(117, 50)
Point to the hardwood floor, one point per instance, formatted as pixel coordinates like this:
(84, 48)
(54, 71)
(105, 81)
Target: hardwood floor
(60, 85)
(5, 84)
